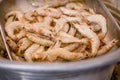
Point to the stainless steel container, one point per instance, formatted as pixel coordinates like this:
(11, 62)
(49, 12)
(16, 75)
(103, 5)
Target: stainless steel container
(99, 68)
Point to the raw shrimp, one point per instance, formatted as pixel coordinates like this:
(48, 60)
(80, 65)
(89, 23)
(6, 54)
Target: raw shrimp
(69, 12)
(12, 28)
(101, 21)
(23, 44)
(16, 57)
(94, 40)
(72, 46)
(65, 28)
(53, 54)
(28, 53)
(38, 28)
(35, 38)
(72, 31)
(17, 14)
(66, 38)
(21, 34)
(30, 15)
(9, 20)
(107, 47)
(12, 44)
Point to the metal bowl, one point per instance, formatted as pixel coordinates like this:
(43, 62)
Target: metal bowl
(98, 68)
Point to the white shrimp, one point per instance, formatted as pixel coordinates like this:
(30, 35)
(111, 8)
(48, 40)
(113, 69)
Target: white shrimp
(28, 53)
(69, 12)
(53, 54)
(101, 21)
(12, 28)
(18, 15)
(9, 20)
(85, 31)
(60, 23)
(21, 34)
(38, 28)
(30, 15)
(72, 31)
(12, 44)
(66, 38)
(72, 46)
(65, 28)
(107, 47)
(23, 44)
(35, 38)
(16, 57)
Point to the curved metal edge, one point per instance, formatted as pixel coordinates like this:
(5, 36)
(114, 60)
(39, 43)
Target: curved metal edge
(103, 60)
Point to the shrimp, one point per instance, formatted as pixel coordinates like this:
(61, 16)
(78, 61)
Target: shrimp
(13, 28)
(17, 14)
(12, 44)
(72, 46)
(21, 34)
(16, 57)
(48, 20)
(30, 15)
(65, 28)
(69, 12)
(23, 44)
(28, 53)
(101, 21)
(55, 13)
(72, 31)
(60, 23)
(107, 47)
(9, 20)
(94, 40)
(38, 28)
(53, 54)
(81, 48)
(35, 38)
(66, 38)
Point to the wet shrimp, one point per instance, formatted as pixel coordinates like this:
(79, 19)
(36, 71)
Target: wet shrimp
(13, 28)
(107, 47)
(37, 39)
(9, 20)
(65, 28)
(69, 12)
(12, 44)
(71, 47)
(23, 44)
(101, 21)
(94, 40)
(66, 38)
(53, 54)
(28, 53)
(72, 31)
(30, 15)
(17, 14)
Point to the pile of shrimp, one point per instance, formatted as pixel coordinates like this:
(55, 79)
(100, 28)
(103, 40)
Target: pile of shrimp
(63, 33)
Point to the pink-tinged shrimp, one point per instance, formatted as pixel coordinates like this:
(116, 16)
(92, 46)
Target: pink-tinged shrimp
(74, 6)
(21, 34)
(9, 20)
(107, 47)
(30, 15)
(66, 38)
(72, 46)
(12, 44)
(81, 48)
(53, 54)
(69, 12)
(48, 20)
(37, 39)
(72, 31)
(60, 23)
(28, 53)
(41, 11)
(23, 44)
(101, 21)
(38, 28)
(72, 19)
(40, 19)
(94, 40)
(55, 13)
(65, 28)
(13, 28)
(16, 57)
(17, 14)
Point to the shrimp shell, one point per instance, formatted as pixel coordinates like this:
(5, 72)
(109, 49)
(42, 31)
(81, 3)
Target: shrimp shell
(37, 39)
(28, 53)
(53, 54)
(12, 27)
(72, 46)
(107, 47)
(101, 21)
(72, 31)
(94, 40)
(66, 38)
